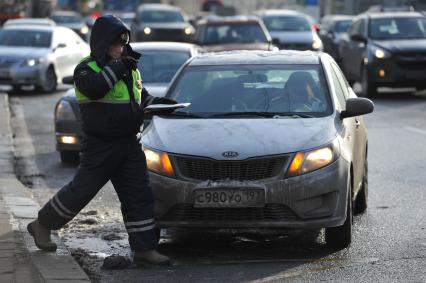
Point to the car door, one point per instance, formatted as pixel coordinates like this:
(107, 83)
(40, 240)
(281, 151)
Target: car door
(356, 133)
(61, 52)
(354, 55)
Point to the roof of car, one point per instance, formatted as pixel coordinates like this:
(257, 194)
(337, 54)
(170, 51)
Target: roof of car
(65, 13)
(230, 19)
(158, 7)
(30, 21)
(163, 45)
(32, 27)
(256, 57)
(338, 17)
(280, 12)
(378, 15)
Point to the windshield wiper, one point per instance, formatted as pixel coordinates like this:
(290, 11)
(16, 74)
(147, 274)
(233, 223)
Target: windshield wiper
(262, 114)
(182, 114)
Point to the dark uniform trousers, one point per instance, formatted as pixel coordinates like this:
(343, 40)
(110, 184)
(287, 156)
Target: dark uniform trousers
(123, 162)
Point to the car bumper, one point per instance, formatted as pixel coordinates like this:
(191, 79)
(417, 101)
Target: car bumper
(397, 73)
(22, 76)
(68, 136)
(314, 200)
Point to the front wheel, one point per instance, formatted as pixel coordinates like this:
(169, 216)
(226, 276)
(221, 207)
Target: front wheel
(50, 81)
(362, 197)
(68, 156)
(340, 237)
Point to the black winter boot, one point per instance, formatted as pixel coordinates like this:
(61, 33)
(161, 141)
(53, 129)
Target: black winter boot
(150, 257)
(41, 236)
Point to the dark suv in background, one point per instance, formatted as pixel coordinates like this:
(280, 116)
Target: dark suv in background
(158, 22)
(386, 49)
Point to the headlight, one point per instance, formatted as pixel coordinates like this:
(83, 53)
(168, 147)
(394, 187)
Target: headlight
(316, 44)
(159, 162)
(147, 30)
(305, 162)
(189, 30)
(84, 30)
(380, 53)
(64, 111)
(33, 61)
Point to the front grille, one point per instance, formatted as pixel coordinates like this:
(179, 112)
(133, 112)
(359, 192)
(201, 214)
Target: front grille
(271, 212)
(6, 62)
(208, 169)
(412, 60)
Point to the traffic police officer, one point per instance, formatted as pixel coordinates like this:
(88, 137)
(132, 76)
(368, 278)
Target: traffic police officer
(111, 98)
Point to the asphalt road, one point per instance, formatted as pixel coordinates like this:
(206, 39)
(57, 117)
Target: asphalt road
(389, 242)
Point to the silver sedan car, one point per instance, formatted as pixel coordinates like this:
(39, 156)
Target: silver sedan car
(38, 55)
(270, 140)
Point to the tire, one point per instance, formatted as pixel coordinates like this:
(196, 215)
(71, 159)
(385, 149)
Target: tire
(68, 156)
(361, 201)
(340, 237)
(369, 89)
(51, 81)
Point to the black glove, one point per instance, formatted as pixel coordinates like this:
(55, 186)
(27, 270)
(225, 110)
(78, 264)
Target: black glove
(163, 100)
(130, 63)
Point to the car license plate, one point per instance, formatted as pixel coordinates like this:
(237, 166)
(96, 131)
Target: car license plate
(229, 197)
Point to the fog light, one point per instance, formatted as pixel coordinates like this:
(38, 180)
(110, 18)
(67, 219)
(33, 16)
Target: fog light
(382, 73)
(68, 139)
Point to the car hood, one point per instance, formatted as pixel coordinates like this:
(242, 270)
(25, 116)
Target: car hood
(293, 36)
(248, 137)
(402, 45)
(165, 25)
(22, 52)
(156, 89)
(237, 46)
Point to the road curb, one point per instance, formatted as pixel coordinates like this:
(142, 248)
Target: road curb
(20, 204)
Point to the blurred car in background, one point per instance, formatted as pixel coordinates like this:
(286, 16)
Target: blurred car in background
(390, 8)
(38, 55)
(263, 144)
(127, 18)
(232, 33)
(385, 49)
(291, 30)
(158, 22)
(30, 21)
(72, 20)
(333, 27)
(158, 64)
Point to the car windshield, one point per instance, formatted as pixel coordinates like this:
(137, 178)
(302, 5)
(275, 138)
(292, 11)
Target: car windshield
(234, 33)
(153, 16)
(286, 23)
(25, 38)
(67, 19)
(342, 26)
(398, 28)
(160, 66)
(253, 89)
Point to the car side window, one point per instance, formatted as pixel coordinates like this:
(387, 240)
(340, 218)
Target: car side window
(341, 99)
(358, 27)
(343, 82)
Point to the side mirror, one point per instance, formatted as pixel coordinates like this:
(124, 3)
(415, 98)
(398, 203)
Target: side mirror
(356, 107)
(358, 37)
(275, 41)
(69, 80)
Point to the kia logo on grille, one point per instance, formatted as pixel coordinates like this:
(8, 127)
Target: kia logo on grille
(230, 154)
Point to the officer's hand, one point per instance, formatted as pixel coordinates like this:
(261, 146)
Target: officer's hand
(164, 100)
(130, 63)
